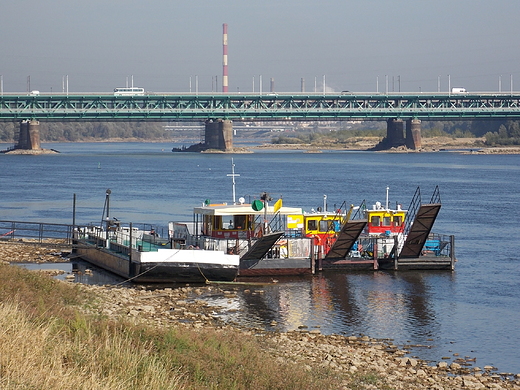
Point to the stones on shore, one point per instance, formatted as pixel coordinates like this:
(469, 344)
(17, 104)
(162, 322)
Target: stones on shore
(350, 356)
(24, 251)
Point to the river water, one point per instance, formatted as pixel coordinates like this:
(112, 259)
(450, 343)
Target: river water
(473, 311)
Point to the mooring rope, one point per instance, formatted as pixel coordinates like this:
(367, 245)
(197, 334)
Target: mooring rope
(136, 276)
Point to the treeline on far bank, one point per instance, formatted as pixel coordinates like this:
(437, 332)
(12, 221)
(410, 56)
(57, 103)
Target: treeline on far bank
(495, 132)
(89, 131)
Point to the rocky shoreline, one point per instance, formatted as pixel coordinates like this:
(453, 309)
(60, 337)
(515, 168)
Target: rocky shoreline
(347, 355)
(390, 366)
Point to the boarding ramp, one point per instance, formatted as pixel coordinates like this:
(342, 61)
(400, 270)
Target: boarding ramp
(261, 246)
(348, 235)
(420, 230)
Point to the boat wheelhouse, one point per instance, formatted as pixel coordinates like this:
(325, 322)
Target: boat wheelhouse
(258, 232)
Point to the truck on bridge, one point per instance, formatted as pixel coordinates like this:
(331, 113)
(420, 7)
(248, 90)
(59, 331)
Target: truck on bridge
(458, 90)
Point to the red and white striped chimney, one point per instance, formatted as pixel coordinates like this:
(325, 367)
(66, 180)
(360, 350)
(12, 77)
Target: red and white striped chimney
(224, 60)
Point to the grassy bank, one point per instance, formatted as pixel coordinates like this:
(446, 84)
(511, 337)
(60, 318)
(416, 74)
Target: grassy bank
(47, 342)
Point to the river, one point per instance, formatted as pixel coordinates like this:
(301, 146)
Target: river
(473, 311)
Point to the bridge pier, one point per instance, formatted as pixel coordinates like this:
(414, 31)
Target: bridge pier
(23, 135)
(218, 134)
(29, 138)
(413, 134)
(395, 136)
(395, 132)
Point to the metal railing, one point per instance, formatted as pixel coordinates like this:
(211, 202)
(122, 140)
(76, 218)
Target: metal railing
(37, 232)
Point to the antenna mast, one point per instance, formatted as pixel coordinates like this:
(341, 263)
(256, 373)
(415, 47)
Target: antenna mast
(233, 175)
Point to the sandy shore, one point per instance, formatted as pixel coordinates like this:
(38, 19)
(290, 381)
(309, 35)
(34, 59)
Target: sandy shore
(436, 144)
(347, 355)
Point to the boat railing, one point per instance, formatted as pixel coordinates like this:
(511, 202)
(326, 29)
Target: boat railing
(381, 246)
(415, 204)
(359, 212)
(293, 247)
(438, 245)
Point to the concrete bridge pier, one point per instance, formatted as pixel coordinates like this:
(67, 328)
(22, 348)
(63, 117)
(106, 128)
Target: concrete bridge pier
(29, 138)
(413, 134)
(218, 134)
(395, 132)
(23, 135)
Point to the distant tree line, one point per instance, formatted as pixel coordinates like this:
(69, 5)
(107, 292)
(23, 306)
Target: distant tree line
(507, 134)
(495, 132)
(89, 131)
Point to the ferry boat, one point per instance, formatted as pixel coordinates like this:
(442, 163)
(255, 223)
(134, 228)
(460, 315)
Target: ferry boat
(266, 237)
(140, 255)
(384, 237)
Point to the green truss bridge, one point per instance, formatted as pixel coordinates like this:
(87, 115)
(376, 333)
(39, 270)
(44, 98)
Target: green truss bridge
(267, 106)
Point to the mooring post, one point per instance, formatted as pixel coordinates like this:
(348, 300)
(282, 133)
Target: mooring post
(452, 252)
(130, 253)
(396, 254)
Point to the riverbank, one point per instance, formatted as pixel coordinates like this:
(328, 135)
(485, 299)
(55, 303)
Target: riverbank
(357, 361)
(435, 144)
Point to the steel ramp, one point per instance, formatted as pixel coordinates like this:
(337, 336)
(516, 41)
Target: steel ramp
(421, 227)
(261, 246)
(348, 235)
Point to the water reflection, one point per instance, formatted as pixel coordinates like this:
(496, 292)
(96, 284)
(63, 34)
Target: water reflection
(406, 307)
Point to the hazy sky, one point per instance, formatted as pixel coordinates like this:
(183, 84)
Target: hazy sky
(356, 44)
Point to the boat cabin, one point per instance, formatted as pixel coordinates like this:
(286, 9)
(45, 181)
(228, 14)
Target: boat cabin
(385, 221)
(240, 220)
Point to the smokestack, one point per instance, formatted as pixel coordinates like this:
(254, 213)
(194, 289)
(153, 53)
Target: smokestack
(224, 60)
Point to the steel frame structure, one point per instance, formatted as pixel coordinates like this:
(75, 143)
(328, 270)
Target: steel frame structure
(91, 107)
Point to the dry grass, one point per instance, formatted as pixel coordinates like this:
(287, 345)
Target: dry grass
(47, 343)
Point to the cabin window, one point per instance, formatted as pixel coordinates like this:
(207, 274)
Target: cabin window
(311, 224)
(398, 220)
(240, 222)
(217, 222)
(387, 221)
(374, 221)
(324, 226)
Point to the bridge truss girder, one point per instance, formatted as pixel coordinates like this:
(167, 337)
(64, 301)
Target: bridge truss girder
(260, 107)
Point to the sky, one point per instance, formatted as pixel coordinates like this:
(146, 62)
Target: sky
(170, 45)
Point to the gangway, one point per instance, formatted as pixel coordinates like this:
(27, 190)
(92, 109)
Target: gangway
(419, 224)
(347, 236)
(261, 246)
